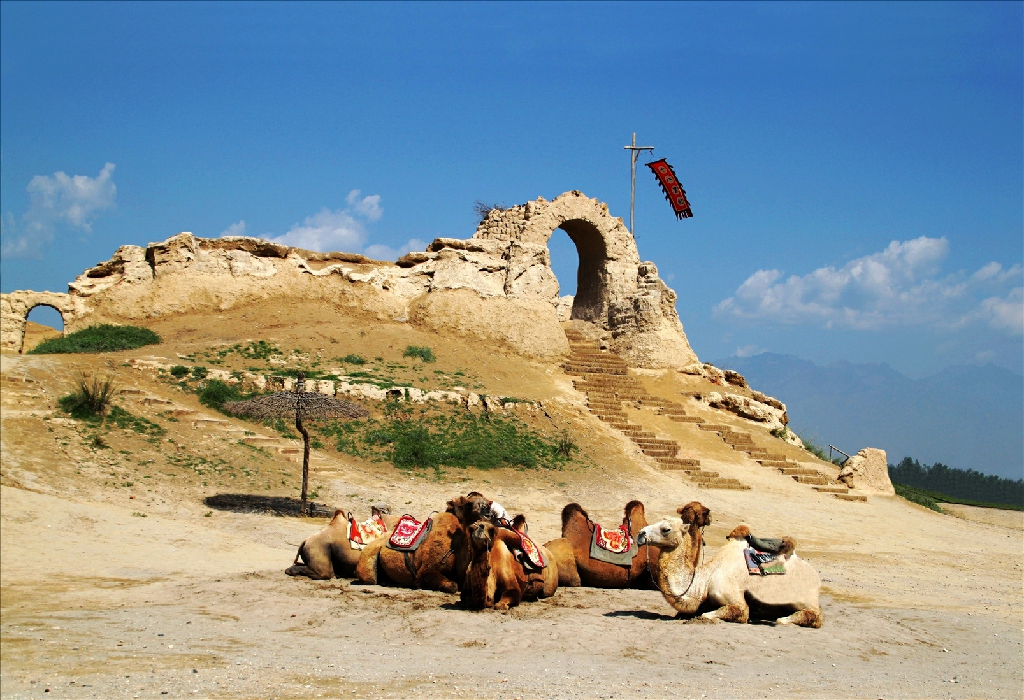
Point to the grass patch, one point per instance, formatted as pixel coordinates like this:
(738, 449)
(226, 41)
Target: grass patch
(216, 393)
(353, 359)
(424, 353)
(915, 496)
(125, 420)
(924, 497)
(99, 338)
(449, 438)
(179, 371)
(90, 400)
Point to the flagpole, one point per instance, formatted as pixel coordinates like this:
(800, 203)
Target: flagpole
(634, 155)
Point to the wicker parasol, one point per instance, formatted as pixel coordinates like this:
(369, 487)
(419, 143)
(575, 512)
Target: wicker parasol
(303, 404)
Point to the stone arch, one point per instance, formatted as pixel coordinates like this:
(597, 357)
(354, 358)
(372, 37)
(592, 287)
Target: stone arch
(15, 308)
(622, 297)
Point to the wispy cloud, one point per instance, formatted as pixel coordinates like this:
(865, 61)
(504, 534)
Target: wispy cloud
(900, 286)
(342, 229)
(57, 203)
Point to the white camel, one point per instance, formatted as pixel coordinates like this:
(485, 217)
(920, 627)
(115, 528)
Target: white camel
(723, 589)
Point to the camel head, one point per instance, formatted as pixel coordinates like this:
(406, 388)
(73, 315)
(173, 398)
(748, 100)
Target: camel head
(380, 509)
(469, 509)
(481, 536)
(666, 534)
(740, 532)
(693, 513)
(519, 524)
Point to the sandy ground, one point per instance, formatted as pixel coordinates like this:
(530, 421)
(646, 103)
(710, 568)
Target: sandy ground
(114, 591)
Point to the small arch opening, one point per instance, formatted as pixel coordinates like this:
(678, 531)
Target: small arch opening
(42, 323)
(589, 300)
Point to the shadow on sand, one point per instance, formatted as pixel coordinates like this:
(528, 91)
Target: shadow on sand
(272, 505)
(639, 614)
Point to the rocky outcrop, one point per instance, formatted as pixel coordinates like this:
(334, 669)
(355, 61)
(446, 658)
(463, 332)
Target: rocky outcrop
(497, 286)
(868, 472)
(772, 415)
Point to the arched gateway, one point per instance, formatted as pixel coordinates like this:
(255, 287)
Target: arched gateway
(15, 308)
(619, 295)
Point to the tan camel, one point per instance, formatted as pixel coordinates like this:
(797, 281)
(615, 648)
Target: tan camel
(440, 561)
(723, 589)
(328, 553)
(577, 568)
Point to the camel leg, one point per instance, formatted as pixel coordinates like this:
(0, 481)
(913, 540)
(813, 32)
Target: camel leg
(802, 618)
(509, 599)
(301, 570)
(434, 580)
(729, 613)
(366, 567)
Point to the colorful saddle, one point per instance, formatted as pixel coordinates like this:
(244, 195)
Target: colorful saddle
(361, 534)
(532, 557)
(763, 563)
(613, 546)
(409, 533)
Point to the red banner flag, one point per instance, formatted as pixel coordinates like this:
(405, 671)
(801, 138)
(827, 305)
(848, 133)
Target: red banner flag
(674, 192)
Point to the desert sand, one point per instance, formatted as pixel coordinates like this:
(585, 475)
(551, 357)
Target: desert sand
(118, 581)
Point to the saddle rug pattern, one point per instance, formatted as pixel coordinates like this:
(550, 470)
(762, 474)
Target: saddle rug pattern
(361, 534)
(531, 552)
(763, 563)
(409, 533)
(613, 546)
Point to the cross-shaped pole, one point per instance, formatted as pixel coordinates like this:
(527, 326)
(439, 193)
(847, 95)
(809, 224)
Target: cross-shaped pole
(634, 155)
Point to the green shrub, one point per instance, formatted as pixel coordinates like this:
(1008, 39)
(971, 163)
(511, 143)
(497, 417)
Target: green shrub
(99, 338)
(123, 419)
(915, 496)
(565, 445)
(90, 400)
(353, 359)
(424, 353)
(216, 393)
(179, 371)
(199, 372)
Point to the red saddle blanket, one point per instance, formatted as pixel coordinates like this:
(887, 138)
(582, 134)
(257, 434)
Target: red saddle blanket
(409, 533)
(531, 551)
(617, 541)
(361, 534)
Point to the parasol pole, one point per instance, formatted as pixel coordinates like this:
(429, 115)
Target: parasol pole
(635, 152)
(300, 385)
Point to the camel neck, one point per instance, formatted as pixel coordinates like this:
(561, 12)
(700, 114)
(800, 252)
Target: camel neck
(678, 575)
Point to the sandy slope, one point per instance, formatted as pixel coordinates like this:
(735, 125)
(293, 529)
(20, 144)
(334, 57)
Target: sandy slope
(98, 601)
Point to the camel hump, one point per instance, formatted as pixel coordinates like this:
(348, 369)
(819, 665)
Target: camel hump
(631, 506)
(570, 510)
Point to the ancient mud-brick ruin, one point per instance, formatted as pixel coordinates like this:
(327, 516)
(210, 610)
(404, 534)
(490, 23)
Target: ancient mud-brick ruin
(497, 286)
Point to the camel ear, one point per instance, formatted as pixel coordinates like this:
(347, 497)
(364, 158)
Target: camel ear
(450, 507)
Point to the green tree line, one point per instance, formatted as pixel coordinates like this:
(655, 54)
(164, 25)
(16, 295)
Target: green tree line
(958, 483)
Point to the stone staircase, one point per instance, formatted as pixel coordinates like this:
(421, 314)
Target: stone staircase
(607, 384)
(820, 482)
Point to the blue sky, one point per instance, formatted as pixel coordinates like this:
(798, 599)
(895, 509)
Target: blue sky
(856, 170)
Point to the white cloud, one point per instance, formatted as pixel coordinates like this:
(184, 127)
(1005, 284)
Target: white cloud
(236, 229)
(57, 203)
(367, 207)
(901, 285)
(339, 230)
(383, 252)
(748, 351)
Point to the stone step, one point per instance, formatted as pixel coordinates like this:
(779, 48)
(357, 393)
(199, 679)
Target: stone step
(850, 497)
(805, 479)
(14, 379)
(715, 427)
(799, 471)
(775, 463)
(156, 401)
(131, 391)
(831, 489)
(659, 451)
(183, 412)
(208, 422)
(687, 419)
(678, 462)
(729, 485)
(260, 440)
(737, 441)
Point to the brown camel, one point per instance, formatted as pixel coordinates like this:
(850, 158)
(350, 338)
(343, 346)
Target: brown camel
(723, 589)
(577, 568)
(440, 561)
(549, 574)
(328, 553)
(494, 578)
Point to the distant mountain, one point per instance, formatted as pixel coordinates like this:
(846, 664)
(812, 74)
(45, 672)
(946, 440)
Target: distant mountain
(966, 417)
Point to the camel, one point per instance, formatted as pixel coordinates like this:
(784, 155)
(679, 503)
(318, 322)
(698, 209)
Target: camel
(440, 561)
(329, 553)
(723, 589)
(572, 552)
(495, 577)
